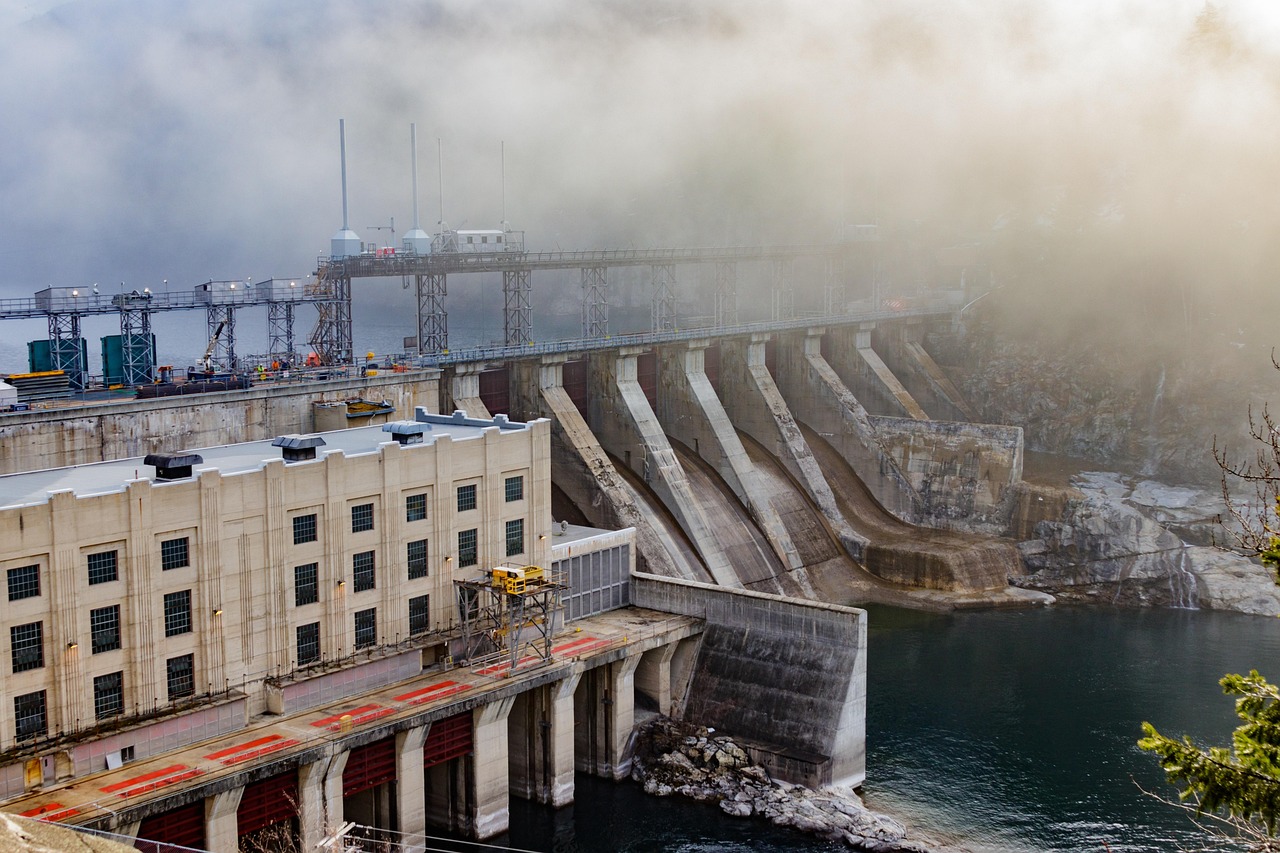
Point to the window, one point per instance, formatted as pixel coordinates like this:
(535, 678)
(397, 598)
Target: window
(108, 695)
(466, 497)
(308, 643)
(174, 554)
(304, 528)
(29, 714)
(515, 537)
(104, 628)
(102, 567)
(362, 571)
(27, 642)
(467, 547)
(415, 508)
(306, 584)
(515, 489)
(24, 582)
(419, 615)
(366, 628)
(417, 557)
(361, 518)
(177, 613)
(182, 676)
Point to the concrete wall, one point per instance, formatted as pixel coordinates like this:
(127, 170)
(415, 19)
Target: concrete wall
(54, 438)
(787, 677)
(963, 473)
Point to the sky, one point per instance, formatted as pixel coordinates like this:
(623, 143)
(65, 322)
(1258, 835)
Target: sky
(1099, 149)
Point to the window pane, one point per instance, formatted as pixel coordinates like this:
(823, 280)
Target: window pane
(102, 567)
(174, 554)
(181, 676)
(306, 584)
(177, 613)
(24, 582)
(366, 628)
(29, 714)
(108, 695)
(362, 571)
(419, 615)
(104, 628)
(515, 489)
(361, 518)
(27, 643)
(308, 643)
(304, 528)
(467, 551)
(515, 537)
(417, 557)
(415, 508)
(466, 498)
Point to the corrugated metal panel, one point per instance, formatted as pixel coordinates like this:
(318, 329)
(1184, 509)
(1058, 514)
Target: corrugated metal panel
(369, 766)
(183, 826)
(448, 739)
(269, 801)
(495, 391)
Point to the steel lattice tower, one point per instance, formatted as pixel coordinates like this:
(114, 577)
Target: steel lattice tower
(517, 317)
(224, 350)
(280, 331)
(433, 321)
(64, 348)
(595, 302)
(331, 338)
(135, 340)
(726, 294)
(664, 297)
(784, 295)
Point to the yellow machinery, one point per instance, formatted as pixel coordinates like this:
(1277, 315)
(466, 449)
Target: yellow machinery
(515, 581)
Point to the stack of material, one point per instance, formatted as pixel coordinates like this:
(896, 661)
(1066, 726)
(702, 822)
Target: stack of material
(48, 385)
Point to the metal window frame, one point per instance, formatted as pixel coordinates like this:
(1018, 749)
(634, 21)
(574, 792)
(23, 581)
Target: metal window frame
(21, 581)
(419, 615)
(104, 690)
(369, 629)
(101, 637)
(97, 573)
(311, 628)
(472, 490)
(174, 675)
(419, 566)
(469, 555)
(415, 507)
(173, 550)
(518, 481)
(26, 646)
(300, 583)
(364, 577)
(300, 525)
(515, 535)
(177, 613)
(365, 520)
(38, 710)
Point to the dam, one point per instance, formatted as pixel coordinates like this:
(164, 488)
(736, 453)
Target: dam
(714, 499)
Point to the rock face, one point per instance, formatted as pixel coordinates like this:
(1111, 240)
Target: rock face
(680, 758)
(1109, 544)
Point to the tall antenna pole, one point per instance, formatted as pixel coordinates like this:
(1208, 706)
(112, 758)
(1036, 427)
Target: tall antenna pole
(413, 147)
(504, 184)
(440, 177)
(342, 143)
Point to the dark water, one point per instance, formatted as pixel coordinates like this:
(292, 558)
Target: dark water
(999, 731)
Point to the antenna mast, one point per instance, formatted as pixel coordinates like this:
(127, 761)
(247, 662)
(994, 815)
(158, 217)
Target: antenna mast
(413, 147)
(342, 145)
(503, 143)
(440, 178)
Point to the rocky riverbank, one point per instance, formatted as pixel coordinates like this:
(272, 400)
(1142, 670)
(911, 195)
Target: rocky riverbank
(676, 758)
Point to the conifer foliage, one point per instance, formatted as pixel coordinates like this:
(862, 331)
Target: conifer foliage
(1242, 781)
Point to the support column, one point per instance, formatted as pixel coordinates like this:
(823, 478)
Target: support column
(618, 706)
(518, 313)
(560, 748)
(595, 302)
(221, 828)
(464, 387)
(320, 797)
(664, 297)
(492, 815)
(726, 294)
(411, 782)
(433, 320)
(653, 676)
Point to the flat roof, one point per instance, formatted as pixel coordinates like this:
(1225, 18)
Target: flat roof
(98, 478)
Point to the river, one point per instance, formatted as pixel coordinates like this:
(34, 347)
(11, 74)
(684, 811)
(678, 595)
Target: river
(1009, 731)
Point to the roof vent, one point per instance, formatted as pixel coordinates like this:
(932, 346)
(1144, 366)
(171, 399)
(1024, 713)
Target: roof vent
(407, 432)
(298, 448)
(173, 466)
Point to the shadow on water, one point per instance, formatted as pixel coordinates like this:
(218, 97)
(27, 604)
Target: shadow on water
(1016, 730)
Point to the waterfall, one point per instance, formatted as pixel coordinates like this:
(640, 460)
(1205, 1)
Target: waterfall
(1151, 464)
(1182, 583)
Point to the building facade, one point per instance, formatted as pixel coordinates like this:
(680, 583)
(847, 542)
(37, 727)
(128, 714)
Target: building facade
(146, 608)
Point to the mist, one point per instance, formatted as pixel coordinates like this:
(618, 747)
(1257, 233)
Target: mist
(1115, 160)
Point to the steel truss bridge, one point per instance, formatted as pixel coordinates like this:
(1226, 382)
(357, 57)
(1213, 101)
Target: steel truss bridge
(331, 293)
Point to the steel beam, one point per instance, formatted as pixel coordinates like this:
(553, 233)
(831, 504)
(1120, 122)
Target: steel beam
(224, 349)
(280, 331)
(331, 338)
(64, 348)
(433, 320)
(664, 297)
(135, 343)
(595, 302)
(517, 316)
